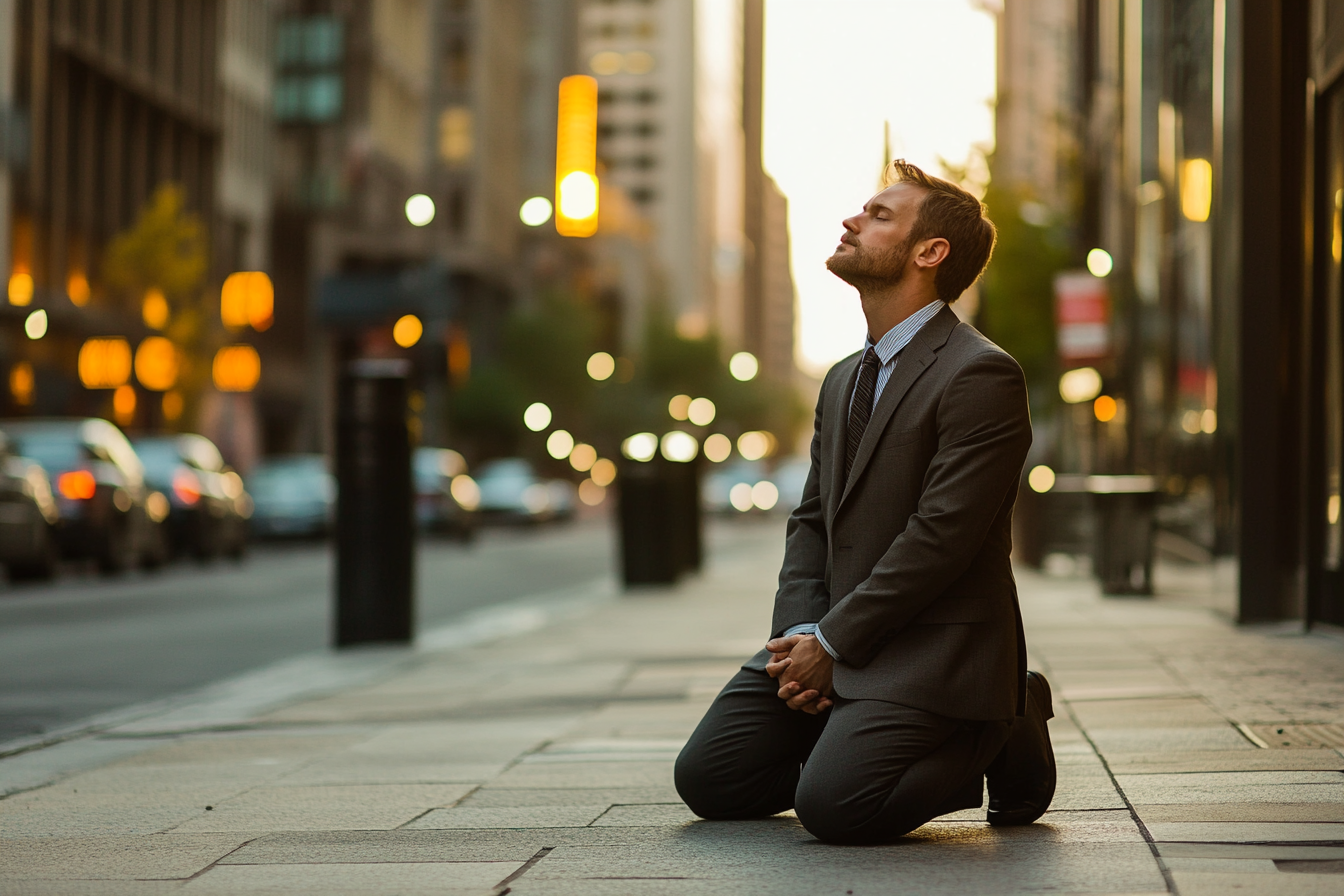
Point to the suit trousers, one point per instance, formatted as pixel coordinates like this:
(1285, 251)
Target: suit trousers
(864, 771)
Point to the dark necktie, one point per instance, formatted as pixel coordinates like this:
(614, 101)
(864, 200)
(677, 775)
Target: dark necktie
(861, 408)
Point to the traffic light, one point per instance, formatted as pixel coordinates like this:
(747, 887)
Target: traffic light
(576, 157)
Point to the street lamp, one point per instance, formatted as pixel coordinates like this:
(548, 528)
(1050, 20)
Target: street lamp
(419, 210)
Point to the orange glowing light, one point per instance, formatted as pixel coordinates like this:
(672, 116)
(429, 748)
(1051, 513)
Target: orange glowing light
(20, 288)
(156, 364)
(123, 405)
(77, 485)
(187, 488)
(576, 186)
(77, 288)
(237, 368)
(22, 382)
(247, 299)
(104, 362)
(1105, 408)
(173, 405)
(154, 310)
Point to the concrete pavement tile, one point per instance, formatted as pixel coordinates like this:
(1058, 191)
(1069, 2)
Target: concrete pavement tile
(1248, 851)
(1233, 866)
(646, 815)
(1224, 761)
(1194, 883)
(464, 741)
(335, 808)
(1256, 811)
(91, 821)
(159, 856)
(498, 797)
(1234, 787)
(1153, 740)
(349, 768)
(586, 774)
(1245, 832)
(89, 887)
(1056, 826)
(224, 778)
(37, 767)
(950, 867)
(243, 747)
(1151, 713)
(1094, 796)
(408, 879)
(472, 818)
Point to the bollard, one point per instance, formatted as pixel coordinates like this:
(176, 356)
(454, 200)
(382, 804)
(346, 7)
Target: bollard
(660, 521)
(375, 526)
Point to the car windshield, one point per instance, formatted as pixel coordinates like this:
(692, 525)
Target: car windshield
(289, 481)
(159, 456)
(55, 449)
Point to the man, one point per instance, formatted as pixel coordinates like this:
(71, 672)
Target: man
(894, 685)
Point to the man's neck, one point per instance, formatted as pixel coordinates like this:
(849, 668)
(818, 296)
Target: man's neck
(885, 308)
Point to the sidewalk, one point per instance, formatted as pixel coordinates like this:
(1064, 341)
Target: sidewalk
(1193, 756)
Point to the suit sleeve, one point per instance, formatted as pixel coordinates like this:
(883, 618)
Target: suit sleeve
(984, 431)
(802, 595)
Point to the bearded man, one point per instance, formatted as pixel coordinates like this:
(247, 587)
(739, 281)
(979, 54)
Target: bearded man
(894, 686)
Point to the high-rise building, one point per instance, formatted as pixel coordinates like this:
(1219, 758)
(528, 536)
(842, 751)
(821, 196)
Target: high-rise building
(1035, 110)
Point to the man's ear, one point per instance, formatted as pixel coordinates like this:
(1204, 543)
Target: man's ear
(932, 252)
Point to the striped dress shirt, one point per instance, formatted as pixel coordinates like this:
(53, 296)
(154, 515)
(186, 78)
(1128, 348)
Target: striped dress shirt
(888, 349)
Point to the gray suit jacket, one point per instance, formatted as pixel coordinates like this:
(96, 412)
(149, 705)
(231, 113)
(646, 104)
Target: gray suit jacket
(905, 564)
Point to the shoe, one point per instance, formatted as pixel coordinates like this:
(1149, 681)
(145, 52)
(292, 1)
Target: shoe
(1021, 778)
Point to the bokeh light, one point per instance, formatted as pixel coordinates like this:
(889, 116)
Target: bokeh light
(407, 331)
(603, 472)
(764, 494)
(237, 368)
(1100, 263)
(679, 407)
(156, 364)
(35, 325)
(679, 447)
(1041, 479)
(591, 493)
(77, 289)
(701, 412)
(1104, 408)
(419, 210)
(465, 491)
(718, 447)
(601, 366)
(537, 416)
(559, 444)
(743, 366)
(1078, 386)
(641, 446)
(754, 445)
(22, 383)
(583, 457)
(535, 211)
(20, 288)
(123, 405)
(740, 497)
(104, 362)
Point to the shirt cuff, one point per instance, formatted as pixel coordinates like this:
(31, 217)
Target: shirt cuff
(821, 639)
(802, 628)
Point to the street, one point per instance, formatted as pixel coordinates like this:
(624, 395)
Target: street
(85, 645)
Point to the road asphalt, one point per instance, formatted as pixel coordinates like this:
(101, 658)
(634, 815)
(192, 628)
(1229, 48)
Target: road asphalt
(1195, 757)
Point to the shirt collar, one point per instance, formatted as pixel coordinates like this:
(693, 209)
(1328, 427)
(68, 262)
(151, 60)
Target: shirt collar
(899, 336)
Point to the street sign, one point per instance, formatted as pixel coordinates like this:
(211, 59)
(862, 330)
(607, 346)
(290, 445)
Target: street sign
(1082, 317)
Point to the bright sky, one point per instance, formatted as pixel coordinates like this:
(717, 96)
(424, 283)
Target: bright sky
(834, 71)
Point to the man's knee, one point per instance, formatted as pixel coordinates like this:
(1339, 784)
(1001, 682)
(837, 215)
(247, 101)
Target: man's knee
(833, 815)
(696, 784)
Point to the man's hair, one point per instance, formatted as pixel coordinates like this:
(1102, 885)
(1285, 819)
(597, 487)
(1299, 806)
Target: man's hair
(949, 212)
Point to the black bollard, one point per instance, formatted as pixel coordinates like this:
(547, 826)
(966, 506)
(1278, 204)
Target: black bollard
(660, 521)
(375, 531)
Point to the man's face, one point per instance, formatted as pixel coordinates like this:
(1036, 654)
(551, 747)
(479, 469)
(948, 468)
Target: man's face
(875, 248)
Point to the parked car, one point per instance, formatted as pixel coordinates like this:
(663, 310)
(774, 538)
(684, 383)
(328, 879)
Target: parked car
(106, 511)
(446, 498)
(511, 491)
(292, 496)
(717, 487)
(208, 507)
(791, 475)
(28, 516)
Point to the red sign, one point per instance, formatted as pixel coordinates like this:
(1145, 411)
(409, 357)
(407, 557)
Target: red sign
(1082, 317)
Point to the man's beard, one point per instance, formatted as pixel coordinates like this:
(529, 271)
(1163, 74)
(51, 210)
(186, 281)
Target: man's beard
(864, 269)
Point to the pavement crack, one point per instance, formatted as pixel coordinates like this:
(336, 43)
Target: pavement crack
(504, 886)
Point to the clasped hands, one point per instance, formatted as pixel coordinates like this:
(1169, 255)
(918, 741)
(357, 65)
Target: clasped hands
(803, 669)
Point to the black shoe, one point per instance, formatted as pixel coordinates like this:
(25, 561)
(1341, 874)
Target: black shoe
(1021, 778)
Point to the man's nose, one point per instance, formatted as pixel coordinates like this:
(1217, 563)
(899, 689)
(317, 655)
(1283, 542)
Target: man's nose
(851, 224)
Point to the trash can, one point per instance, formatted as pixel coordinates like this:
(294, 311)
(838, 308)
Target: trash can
(1125, 507)
(375, 532)
(660, 529)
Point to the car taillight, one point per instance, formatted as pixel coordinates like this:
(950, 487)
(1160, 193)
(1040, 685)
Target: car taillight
(78, 485)
(187, 488)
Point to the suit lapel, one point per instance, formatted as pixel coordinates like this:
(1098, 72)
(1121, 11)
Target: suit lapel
(913, 361)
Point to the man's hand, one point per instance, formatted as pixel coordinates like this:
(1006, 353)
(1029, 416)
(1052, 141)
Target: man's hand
(803, 669)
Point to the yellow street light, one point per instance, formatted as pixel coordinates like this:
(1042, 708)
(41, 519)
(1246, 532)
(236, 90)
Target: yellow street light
(20, 288)
(104, 362)
(407, 331)
(154, 309)
(237, 368)
(576, 188)
(1196, 189)
(156, 364)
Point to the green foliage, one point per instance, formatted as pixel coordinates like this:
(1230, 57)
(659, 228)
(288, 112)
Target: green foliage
(1017, 304)
(487, 412)
(167, 249)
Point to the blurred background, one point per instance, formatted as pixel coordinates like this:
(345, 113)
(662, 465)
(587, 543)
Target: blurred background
(594, 232)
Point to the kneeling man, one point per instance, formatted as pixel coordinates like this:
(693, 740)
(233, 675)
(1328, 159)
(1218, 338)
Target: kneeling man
(894, 686)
